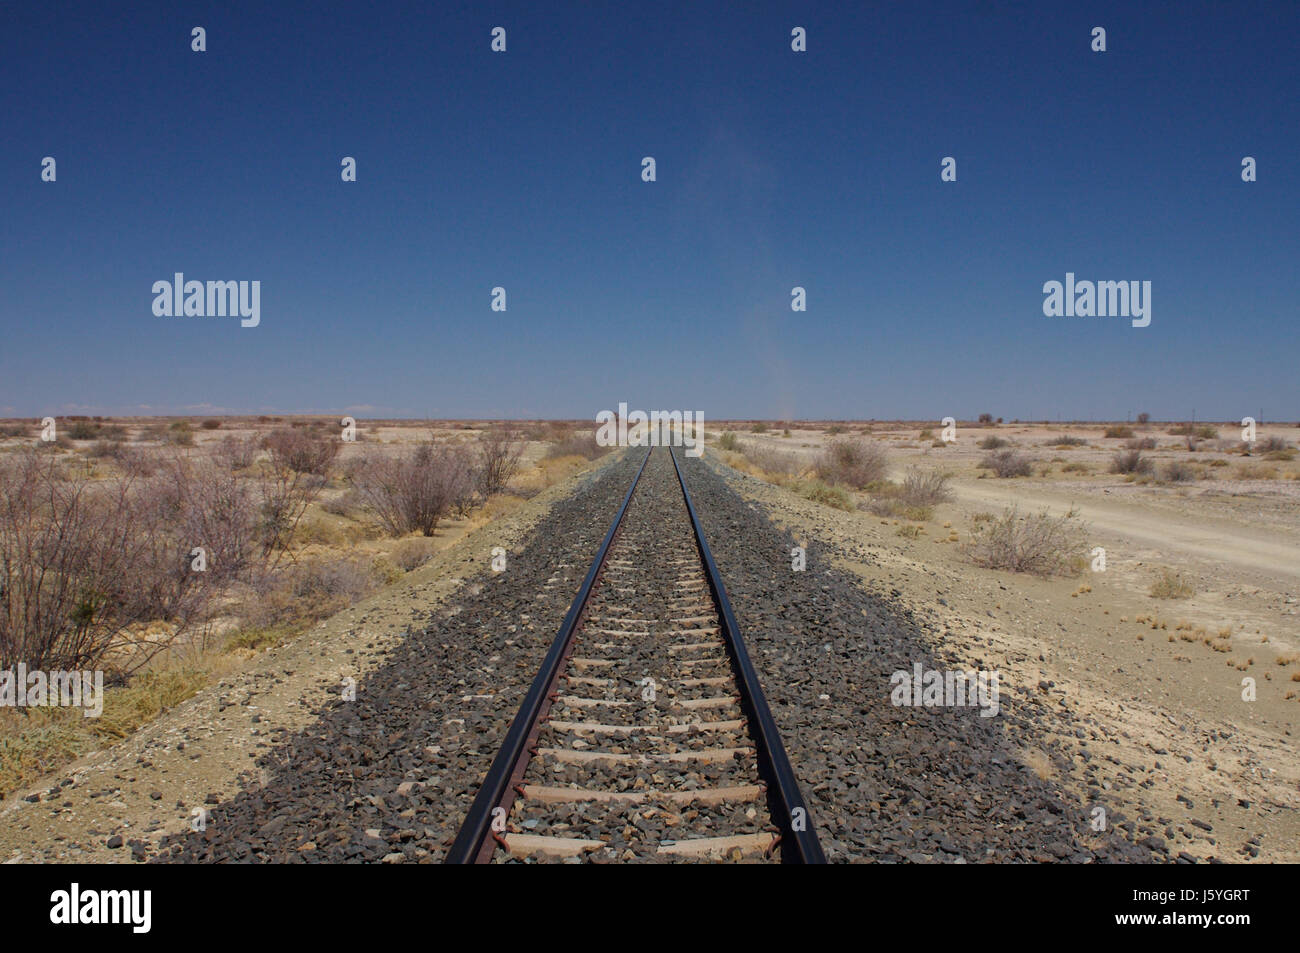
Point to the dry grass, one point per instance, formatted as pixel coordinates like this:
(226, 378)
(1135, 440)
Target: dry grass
(824, 493)
(581, 443)
(38, 741)
(1171, 585)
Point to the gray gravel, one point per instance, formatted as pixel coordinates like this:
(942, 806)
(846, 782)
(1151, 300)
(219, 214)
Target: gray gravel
(884, 783)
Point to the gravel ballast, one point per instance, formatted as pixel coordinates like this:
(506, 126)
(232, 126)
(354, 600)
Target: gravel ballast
(885, 782)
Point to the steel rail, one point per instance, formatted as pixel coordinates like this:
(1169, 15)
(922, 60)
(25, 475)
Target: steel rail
(473, 843)
(799, 843)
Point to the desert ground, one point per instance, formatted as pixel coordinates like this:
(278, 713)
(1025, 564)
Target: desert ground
(1142, 660)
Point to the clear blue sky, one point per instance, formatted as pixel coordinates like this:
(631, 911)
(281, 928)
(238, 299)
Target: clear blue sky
(775, 169)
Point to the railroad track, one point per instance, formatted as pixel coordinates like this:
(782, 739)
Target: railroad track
(645, 735)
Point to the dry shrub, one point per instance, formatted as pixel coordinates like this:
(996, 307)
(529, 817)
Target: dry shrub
(299, 468)
(780, 464)
(854, 463)
(498, 451)
(819, 492)
(286, 494)
(1273, 444)
(237, 453)
(1008, 463)
(302, 450)
(1119, 433)
(1171, 585)
(83, 564)
(729, 441)
(1040, 543)
(308, 591)
(1130, 461)
(413, 492)
(993, 443)
(180, 433)
(412, 553)
(345, 505)
(1178, 472)
(1141, 443)
(924, 487)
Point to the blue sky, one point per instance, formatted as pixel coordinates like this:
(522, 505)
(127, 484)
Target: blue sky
(775, 169)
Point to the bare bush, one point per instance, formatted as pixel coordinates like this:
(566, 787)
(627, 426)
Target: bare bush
(1178, 472)
(299, 462)
(854, 463)
(1141, 443)
(217, 511)
(82, 561)
(1008, 463)
(924, 487)
(1273, 444)
(1040, 543)
(302, 450)
(498, 452)
(237, 453)
(993, 443)
(1130, 461)
(413, 492)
